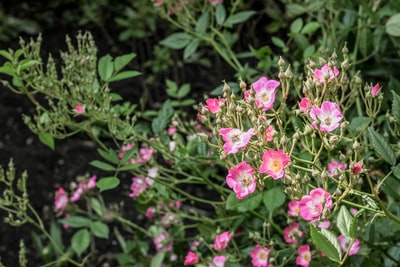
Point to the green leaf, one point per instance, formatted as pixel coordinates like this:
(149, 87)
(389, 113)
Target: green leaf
(294, 10)
(296, 25)
(110, 155)
(130, 167)
(105, 67)
(124, 75)
(47, 139)
(157, 260)
(6, 54)
(183, 90)
(220, 14)
(96, 206)
(359, 124)
(396, 171)
(76, 221)
(25, 64)
(107, 183)
(56, 234)
(396, 107)
(274, 198)
(121, 61)
(8, 69)
(102, 165)
(278, 42)
(310, 27)
(239, 17)
(381, 147)
(80, 241)
(164, 117)
(345, 223)
(177, 40)
(203, 22)
(392, 26)
(250, 202)
(191, 48)
(99, 229)
(327, 242)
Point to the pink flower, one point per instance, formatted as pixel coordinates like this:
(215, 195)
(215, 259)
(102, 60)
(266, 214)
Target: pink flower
(218, 261)
(171, 130)
(222, 240)
(91, 182)
(325, 73)
(191, 258)
(214, 105)
(79, 109)
(241, 179)
(322, 224)
(163, 242)
(260, 256)
(335, 167)
(124, 148)
(150, 212)
(294, 208)
(169, 219)
(145, 154)
(305, 104)
(375, 90)
(304, 257)
(345, 242)
(327, 117)
(215, 2)
(264, 92)
(269, 133)
(274, 163)
(60, 200)
(292, 233)
(138, 186)
(313, 205)
(357, 167)
(235, 139)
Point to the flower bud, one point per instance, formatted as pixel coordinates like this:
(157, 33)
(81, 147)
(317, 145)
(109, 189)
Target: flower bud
(281, 62)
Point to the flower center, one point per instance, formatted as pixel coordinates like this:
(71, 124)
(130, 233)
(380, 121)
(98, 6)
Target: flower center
(246, 180)
(307, 256)
(276, 165)
(235, 138)
(328, 121)
(262, 256)
(264, 97)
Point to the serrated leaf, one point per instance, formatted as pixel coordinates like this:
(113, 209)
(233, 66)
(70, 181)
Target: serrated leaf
(96, 206)
(358, 124)
(392, 26)
(124, 75)
(76, 221)
(239, 17)
(105, 67)
(396, 107)
(345, 223)
(102, 165)
(107, 183)
(177, 40)
(381, 147)
(80, 241)
(220, 14)
(203, 22)
(274, 198)
(47, 139)
(327, 242)
(121, 61)
(99, 229)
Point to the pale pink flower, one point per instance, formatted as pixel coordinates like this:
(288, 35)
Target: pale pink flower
(138, 186)
(241, 179)
(145, 154)
(294, 208)
(304, 256)
(79, 109)
(215, 2)
(163, 242)
(169, 219)
(123, 149)
(357, 167)
(218, 261)
(214, 105)
(191, 258)
(76, 195)
(325, 72)
(269, 133)
(335, 168)
(158, 2)
(60, 200)
(91, 182)
(150, 212)
(322, 224)
(274, 163)
(171, 130)
(375, 90)
(305, 104)
(235, 139)
(313, 205)
(353, 211)
(292, 233)
(327, 117)
(260, 256)
(345, 242)
(194, 245)
(222, 240)
(264, 92)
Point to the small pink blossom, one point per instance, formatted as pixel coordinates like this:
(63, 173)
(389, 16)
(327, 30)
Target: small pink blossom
(357, 167)
(353, 211)
(325, 72)
(235, 139)
(214, 105)
(79, 109)
(222, 240)
(76, 195)
(215, 2)
(138, 186)
(241, 179)
(218, 261)
(292, 233)
(60, 200)
(274, 163)
(269, 133)
(265, 91)
(294, 208)
(194, 244)
(123, 149)
(91, 183)
(345, 242)
(313, 205)
(150, 212)
(169, 219)
(171, 130)
(191, 258)
(163, 242)
(375, 90)
(305, 104)
(322, 224)
(304, 256)
(145, 154)
(327, 118)
(335, 168)
(260, 256)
